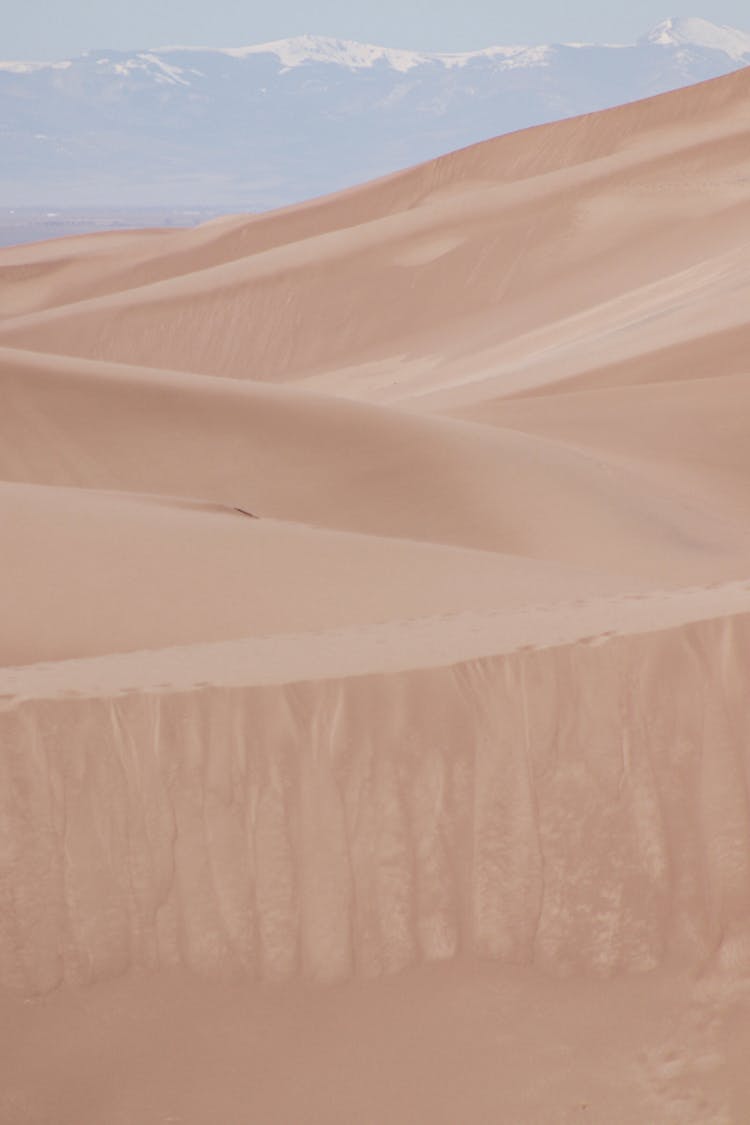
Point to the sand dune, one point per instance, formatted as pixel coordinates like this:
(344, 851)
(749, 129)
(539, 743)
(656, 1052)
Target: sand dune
(301, 457)
(208, 572)
(692, 434)
(521, 820)
(545, 225)
(376, 593)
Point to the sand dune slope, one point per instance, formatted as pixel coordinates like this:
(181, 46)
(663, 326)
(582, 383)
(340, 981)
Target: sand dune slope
(374, 594)
(286, 454)
(693, 433)
(575, 806)
(116, 572)
(509, 238)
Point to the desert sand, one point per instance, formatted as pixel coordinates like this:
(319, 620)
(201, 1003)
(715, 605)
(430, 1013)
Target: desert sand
(375, 649)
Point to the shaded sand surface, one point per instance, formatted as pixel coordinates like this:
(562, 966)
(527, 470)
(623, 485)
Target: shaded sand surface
(375, 646)
(429, 1045)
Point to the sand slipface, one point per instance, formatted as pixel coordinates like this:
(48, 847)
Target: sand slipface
(376, 615)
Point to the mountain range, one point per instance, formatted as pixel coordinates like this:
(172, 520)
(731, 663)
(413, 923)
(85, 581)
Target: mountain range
(258, 127)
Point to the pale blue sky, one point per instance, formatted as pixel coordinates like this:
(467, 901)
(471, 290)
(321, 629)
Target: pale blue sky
(43, 29)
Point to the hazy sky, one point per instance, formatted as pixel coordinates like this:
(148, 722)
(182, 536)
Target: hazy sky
(58, 28)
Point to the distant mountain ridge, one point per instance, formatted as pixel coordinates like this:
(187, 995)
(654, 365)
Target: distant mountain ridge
(261, 126)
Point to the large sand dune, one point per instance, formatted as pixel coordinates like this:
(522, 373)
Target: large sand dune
(376, 588)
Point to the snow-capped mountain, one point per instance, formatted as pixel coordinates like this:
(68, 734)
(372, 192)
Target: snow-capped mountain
(697, 34)
(260, 126)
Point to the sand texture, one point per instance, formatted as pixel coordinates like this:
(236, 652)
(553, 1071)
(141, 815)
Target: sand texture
(375, 646)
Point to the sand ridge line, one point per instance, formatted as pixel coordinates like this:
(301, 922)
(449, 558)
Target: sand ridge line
(385, 648)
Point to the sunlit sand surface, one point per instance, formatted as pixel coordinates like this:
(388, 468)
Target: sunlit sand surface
(374, 721)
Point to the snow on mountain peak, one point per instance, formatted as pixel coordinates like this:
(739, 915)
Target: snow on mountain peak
(323, 49)
(301, 49)
(677, 32)
(690, 31)
(355, 56)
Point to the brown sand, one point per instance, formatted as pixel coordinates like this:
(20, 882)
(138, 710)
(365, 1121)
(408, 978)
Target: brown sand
(374, 724)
